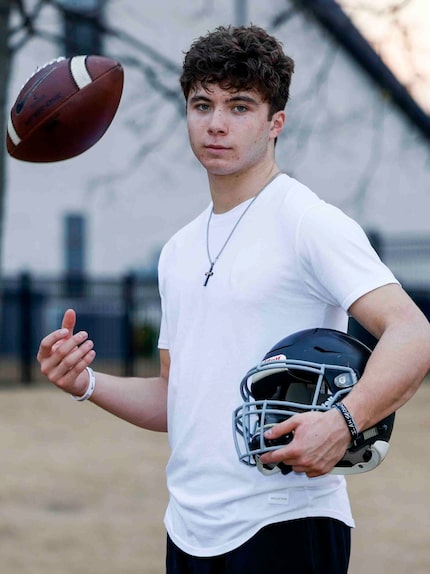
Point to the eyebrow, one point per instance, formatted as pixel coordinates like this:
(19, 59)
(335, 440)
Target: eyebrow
(236, 98)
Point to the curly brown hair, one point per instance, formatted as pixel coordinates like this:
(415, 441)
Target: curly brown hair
(240, 58)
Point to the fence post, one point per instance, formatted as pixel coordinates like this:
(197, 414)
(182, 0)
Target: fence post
(376, 242)
(129, 285)
(25, 327)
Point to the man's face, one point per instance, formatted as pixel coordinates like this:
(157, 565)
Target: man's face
(230, 131)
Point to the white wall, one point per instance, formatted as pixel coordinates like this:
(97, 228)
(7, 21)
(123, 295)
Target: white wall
(140, 183)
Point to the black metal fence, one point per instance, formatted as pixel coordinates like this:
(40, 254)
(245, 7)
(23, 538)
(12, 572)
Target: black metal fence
(121, 315)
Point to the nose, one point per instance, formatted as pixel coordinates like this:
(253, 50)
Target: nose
(217, 123)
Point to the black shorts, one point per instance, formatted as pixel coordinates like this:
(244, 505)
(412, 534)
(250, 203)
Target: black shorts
(305, 546)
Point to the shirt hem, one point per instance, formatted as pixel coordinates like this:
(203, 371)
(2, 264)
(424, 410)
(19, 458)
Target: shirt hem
(237, 542)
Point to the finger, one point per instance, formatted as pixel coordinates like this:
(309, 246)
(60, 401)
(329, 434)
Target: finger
(287, 454)
(71, 381)
(71, 366)
(48, 342)
(65, 358)
(56, 346)
(281, 429)
(69, 321)
(66, 347)
(313, 472)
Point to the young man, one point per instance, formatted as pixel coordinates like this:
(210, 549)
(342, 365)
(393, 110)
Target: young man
(265, 259)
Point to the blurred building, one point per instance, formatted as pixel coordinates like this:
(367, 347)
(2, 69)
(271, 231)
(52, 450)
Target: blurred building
(353, 133)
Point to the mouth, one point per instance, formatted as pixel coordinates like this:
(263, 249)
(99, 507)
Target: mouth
(216, 148)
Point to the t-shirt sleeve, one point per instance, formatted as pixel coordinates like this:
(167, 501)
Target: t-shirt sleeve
(338, 263)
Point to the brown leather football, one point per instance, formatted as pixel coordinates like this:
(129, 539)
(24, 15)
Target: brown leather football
(64, 108)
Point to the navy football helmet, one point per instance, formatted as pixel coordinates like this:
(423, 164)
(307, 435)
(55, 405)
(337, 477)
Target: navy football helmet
(310, 370)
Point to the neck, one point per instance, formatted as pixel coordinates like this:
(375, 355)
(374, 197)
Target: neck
(228, 191)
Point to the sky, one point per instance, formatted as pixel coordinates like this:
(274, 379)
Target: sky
(399, 30)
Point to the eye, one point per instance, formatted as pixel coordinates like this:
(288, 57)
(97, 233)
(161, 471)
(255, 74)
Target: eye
(240, 108)
(202, 107)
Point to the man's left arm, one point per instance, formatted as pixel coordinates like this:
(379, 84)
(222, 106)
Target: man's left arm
(400, 360)
(394, 372)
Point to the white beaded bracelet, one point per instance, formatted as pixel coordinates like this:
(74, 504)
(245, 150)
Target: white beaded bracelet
(90, 388)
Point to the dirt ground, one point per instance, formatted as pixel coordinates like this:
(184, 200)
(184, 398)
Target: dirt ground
(83, 492)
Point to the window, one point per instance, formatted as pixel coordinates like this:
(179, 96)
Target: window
(82, 30)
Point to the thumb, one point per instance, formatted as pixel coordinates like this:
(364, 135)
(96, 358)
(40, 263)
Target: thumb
(69, 321)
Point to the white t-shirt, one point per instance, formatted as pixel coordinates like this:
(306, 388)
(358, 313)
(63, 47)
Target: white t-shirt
(294, 262)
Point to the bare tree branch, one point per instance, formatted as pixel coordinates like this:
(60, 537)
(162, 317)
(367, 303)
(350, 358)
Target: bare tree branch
(283, 17)
(26, 26)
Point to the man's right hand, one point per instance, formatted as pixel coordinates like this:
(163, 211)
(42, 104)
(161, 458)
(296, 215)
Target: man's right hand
(63, 356)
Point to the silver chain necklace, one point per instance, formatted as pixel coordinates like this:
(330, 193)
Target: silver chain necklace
(212, 262)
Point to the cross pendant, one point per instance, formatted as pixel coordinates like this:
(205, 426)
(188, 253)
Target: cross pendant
(209, 274)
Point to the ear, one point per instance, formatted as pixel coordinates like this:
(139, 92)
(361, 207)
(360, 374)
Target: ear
(277, 123)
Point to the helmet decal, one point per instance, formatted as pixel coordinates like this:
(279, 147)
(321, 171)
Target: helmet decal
(274, 359)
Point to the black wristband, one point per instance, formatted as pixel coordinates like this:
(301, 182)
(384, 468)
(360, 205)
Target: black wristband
(352, 427)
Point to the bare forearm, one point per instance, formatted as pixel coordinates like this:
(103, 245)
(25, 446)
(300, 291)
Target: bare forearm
(142, 402)
(65, 358)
